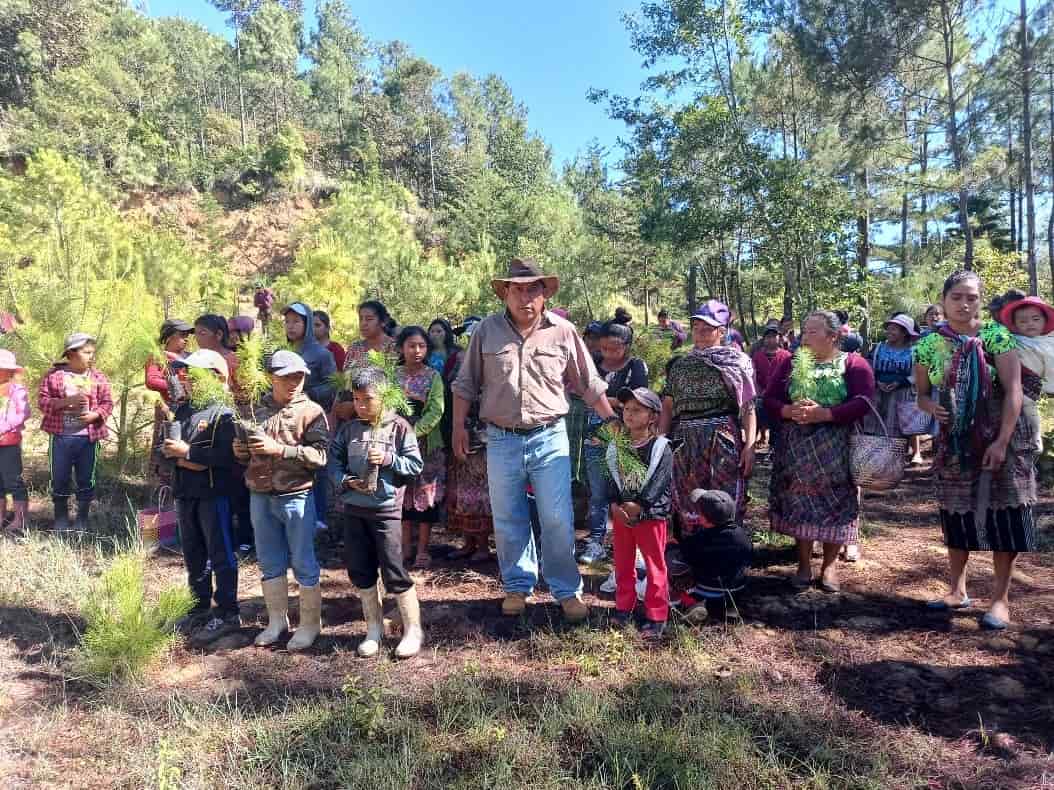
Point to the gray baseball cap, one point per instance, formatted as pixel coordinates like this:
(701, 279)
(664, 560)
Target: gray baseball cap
(76, 340)
(644, 396)
(284, 363)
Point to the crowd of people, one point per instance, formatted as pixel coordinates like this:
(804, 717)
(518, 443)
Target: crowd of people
(499, 429)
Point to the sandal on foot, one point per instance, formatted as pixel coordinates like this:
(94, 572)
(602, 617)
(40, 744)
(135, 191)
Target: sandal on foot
(831, 587)
(940, 605)
(993, 623)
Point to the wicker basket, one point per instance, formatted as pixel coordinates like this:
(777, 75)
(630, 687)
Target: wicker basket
(876, 462)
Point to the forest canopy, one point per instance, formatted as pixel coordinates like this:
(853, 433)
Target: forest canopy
(779, 155)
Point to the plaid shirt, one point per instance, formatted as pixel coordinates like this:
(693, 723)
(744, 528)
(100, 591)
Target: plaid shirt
(53, 390)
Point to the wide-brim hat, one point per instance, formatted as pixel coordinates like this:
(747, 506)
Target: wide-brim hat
(1006, 315)
(905, 322)
(8, 361)
(525, 270)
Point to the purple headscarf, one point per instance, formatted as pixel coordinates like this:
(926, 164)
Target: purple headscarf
(735, 368)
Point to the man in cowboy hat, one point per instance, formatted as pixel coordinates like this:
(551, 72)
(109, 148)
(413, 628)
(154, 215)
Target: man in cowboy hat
(516, 367)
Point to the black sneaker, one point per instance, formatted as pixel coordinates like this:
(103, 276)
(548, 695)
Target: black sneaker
(191, 622)
(621, 619)
(652, 631)
(217, 626)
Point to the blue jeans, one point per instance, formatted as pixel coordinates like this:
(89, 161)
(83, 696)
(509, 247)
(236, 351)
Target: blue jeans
(284, 527)
(73, 457)
(598, 484)
(543, 460)
(321, 492)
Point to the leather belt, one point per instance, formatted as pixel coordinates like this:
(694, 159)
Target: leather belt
(529, 431)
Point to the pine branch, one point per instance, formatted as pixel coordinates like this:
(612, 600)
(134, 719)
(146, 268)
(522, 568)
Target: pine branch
(803, 379)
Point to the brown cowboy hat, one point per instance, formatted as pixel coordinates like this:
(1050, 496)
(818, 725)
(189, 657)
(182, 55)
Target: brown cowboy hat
(525, 270)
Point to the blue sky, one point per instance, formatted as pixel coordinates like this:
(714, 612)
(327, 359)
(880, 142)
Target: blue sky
(549, 52)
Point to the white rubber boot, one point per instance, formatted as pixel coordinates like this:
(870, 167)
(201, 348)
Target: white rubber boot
(310, 619)
(413, 636)
(373, 609)
(276, 598)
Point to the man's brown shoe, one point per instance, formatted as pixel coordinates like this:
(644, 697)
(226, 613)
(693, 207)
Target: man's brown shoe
(514, 604)
(575, 611)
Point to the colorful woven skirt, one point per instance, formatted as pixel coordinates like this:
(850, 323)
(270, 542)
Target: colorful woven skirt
(1009, 523)
(811, 494)
(468, 497)
(708, 458)
(576, 430)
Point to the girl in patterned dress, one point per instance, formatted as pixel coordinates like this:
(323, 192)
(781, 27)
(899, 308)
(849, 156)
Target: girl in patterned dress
(812, 496)
(969, 378)
(424, 389)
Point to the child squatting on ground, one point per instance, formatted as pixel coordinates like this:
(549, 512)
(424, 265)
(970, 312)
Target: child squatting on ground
(14, 411)
(75, 402)
(284, 452)
(639, 509)
(1031, 320)
(373, 515)
(204, 467)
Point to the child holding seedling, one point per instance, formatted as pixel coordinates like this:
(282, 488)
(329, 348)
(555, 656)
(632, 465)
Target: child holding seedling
(640, 470)
(204, 462)
(370, 459)
(14, 411)
(285, 449)
(424, 390)
(75, 402)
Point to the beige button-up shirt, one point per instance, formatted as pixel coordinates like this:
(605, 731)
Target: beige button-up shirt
(520, 382)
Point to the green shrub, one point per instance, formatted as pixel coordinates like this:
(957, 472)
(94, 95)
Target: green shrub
(124, 632)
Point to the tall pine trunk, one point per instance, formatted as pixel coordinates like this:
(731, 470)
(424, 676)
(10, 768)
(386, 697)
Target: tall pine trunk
(1050, 219)
(1026, 133)
(241, 89)
(952, 128)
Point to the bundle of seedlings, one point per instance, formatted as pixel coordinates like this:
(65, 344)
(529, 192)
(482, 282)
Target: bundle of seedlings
(252, 382)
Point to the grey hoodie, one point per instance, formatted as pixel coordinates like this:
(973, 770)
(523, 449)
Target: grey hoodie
(319, 359)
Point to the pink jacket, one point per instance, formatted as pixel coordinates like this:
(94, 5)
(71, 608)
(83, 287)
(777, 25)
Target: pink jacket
(13, 414)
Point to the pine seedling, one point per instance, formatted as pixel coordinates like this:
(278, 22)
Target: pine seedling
(803, 375)
(124, 632)
(206, 390)
(251, 376)
(390, 392)
(631, 469)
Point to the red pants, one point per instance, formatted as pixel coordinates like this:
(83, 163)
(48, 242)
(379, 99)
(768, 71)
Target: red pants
(650, 538)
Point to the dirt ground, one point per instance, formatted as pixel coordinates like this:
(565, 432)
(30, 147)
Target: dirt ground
(872, 650)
